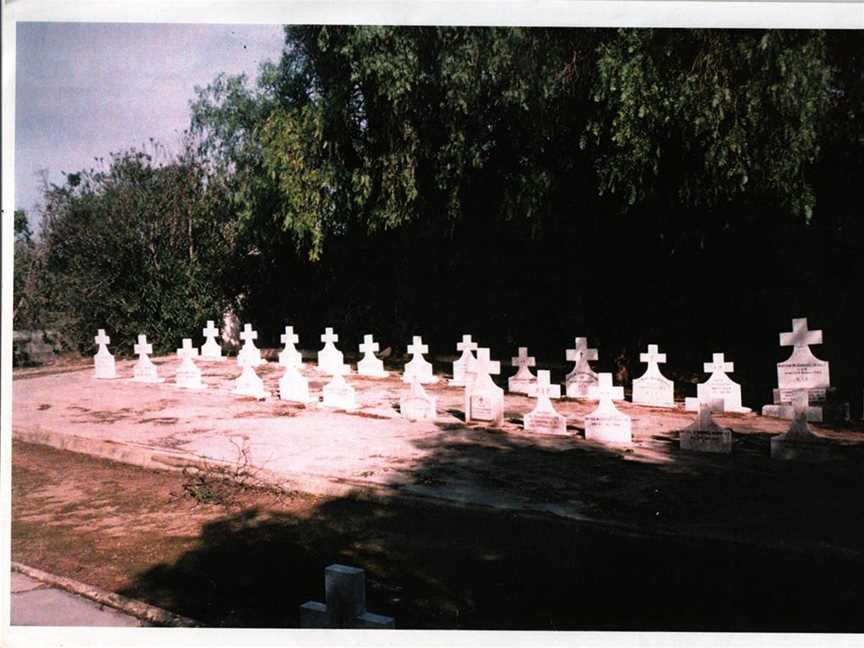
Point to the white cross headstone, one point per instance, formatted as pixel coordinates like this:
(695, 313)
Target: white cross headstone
(543, 419)
(370, 365)
(606, 424)
(581, 378)
(345, 607)
(211, 350)
(249, 354)
(465, 364)
(524, 380)
(799, 443)
(330, 359)
(290, 355)
(653, 388)
(418, 366)
(103, 360)
(718, 388)
(338, 394)
(484, 400)
(249, 383)
(704, 435)
(293, 386)
(416, 404)
(188, 375)
(144, 370)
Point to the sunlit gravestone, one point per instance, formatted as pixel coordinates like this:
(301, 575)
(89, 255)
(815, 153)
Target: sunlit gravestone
(524, 380)
(144, 370)
(249, 354)
(464, 365)
(543, 419)
(103, 360)
(345, 607)
(718, 388)
(289, 355)
(249, 383)
(338, 394)
(418, 365)
(211, 350)
(293, 386)
(330, 359)
(653, 388)
(606, 424)
(581, 379)
(370, 365)
(188, 375)
(484, 400)
(416, 404)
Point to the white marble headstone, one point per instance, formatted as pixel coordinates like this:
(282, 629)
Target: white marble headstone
(606, 424)
(418, 365)
(652, 387)
(290, 355)
(249, 354)
(249, 383)
(338, 393)
(330, 359)
(465, 364)
(484, 400)
(144, 370)
(581, 378)
(704, 435)
(718, 387)
(188, 375)
(416, 404)
(211, 350)
(103, 360)
(524, 380)
(543, 419)
(370, 365)
(293, 386)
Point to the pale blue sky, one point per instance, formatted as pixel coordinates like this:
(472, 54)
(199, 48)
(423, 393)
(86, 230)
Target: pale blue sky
(84, 90)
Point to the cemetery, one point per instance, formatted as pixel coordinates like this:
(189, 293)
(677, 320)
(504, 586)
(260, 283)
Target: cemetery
(457, 328)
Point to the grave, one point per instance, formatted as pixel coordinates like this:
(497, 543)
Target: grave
(464, 366)
(652, 387)
(330, 359)
(293, 386)
(338, 394)
(249, 354)
(290, 355)
(188, 376)
(581, 378)
(416, 404)
(524, 380)
(799, 443)
(345, 607)
(249, 384)
(211, 350)
(704, 435)
(484, 400)
(418, 365)
(803, 370)
(103, 359)
(606, 424)
(718, 387)
(543, 419)
(370, 365)
(144, 370)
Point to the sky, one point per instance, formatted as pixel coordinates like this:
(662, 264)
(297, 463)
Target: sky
(84, 90)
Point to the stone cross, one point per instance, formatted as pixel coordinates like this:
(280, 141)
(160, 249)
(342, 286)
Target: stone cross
(800, 336)
(523, 359)
(485, 365)
(719, 365)
(142, 348)
(466, 345)
(580, 351)
(418, 348)
(188, 351)
(211, 331)
(345, 593)
(289, 337)
(102, 339)
(368, 347)
(544, 389)
(248, 334)
(801, 403)
(329, 337)
(653, 356)
(605, 390)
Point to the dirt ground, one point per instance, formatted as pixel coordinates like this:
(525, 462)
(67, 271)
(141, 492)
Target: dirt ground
(764, 547)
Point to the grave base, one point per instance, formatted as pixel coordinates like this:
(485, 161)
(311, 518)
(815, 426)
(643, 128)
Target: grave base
(719, 441)
(829, 413)
(786, 449)
(691, 404)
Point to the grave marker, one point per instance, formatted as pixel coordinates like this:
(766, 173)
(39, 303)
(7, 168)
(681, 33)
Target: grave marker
(465, 364)
(418, 365)
(704, 435)
(249, 354)
(103, 360)
(145, 371)
(799, 443)
(370, 365)
(524, 380)
(652, 387)
(718, 387)
(188, 375)
(606, 424)
(293, 386)
(416, 404)
(345, 596)
(484, 400)
(330, 359)
(290, 355)
(211, 350)
(581, 378)
(338, 394)
(249, 384)
(543, 419)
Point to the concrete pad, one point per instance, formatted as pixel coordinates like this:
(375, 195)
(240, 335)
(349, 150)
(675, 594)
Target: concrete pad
(54, 607)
